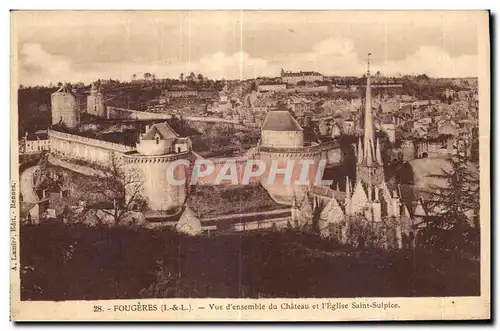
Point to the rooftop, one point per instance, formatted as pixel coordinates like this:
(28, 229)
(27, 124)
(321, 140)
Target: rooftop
(300, 74)
(163, 129)
(280, 120)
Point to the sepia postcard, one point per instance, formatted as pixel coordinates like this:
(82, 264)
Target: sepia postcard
(250, 165)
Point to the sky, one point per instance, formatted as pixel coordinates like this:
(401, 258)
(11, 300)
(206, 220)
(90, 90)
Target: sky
(86, 46)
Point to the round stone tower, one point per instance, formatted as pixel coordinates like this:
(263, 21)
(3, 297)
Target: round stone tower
(156, 150)
(281, 130)
(64, 108)
(282, 147)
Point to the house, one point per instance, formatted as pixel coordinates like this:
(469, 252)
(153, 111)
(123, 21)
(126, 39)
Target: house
(448, 128)
(35, 142)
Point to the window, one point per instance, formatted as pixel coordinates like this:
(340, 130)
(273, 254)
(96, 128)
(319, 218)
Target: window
(157, 140)
(178, 149)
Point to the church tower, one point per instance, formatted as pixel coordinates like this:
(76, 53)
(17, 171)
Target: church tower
(95, 102)
(369, 168)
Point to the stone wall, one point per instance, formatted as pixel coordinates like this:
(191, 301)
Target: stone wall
(83, 148)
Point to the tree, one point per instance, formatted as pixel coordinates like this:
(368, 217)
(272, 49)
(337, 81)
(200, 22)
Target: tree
(200, 77)
(134, 77)
(454, 208)
(181, 77)
(122, 187)
(147, 75)
(45, 178)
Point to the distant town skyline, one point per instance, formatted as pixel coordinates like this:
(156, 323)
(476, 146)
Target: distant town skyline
(86, 46)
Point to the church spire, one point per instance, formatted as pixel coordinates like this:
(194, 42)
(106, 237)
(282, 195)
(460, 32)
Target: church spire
(370, 167)
(368, 128)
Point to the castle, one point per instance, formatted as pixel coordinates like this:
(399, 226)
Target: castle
(203, 208)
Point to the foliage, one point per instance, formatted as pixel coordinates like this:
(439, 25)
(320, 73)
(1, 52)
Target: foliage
(46, 178)
(120, 185)
(75, 262)
(454, 208)
(364, 233)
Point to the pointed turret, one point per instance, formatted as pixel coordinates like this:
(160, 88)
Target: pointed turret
(378, 154)
(347, 197)
(360, 152)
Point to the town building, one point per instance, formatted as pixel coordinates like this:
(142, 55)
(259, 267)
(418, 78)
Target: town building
(293, 78)
(34, 142)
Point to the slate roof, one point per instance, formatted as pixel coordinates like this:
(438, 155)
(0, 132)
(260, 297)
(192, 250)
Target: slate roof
(280, 120)
(163, 129)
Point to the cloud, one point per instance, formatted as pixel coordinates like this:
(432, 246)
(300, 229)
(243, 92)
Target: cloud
(38, 66)
(434, 61)
(332, 56)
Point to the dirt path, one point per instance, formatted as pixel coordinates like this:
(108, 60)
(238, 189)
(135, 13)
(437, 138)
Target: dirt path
(27, 191)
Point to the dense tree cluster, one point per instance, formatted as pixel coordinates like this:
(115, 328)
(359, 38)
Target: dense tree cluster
(74, 262)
